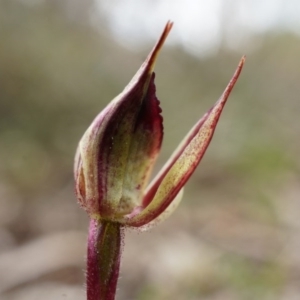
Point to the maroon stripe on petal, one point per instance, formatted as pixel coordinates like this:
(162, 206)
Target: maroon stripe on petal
(114, 149)
(145, 146)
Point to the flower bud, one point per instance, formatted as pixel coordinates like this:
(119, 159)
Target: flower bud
(116, 154)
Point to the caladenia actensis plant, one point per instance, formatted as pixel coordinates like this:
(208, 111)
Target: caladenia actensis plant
(113, 163)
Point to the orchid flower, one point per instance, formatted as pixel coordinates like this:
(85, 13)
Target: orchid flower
(113, 164)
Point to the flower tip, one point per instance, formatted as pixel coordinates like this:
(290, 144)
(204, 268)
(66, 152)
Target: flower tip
(242, 62)
(154, 53)
(239, 68)
(166, 32)
(169, 26)
(163, 37)
(233, 81)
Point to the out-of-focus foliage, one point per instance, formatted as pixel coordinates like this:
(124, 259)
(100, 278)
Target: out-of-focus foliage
(236, 234)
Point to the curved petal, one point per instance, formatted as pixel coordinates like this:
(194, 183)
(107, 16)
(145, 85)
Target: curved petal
(106, 145)
(183, 162)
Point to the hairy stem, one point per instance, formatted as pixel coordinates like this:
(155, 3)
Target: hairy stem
(103, 259)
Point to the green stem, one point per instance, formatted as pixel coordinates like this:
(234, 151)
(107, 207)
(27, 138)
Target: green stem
(103, 259)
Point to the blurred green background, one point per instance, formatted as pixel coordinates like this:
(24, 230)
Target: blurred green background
(236, 234)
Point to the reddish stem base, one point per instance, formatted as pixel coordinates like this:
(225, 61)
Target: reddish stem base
(103, 259)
